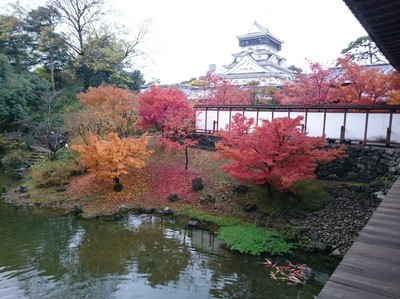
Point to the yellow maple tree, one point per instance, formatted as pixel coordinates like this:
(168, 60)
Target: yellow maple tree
(112, 158)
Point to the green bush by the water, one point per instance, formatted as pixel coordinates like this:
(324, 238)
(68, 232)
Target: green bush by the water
(253, 240)
(312, 194)
(54, 173)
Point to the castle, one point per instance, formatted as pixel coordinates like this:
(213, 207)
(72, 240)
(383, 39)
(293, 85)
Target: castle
(258, 61)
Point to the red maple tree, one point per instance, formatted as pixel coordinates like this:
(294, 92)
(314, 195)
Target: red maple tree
(276, 153)
(168, 111)
(313, 88)
(348, 83)
(222, 92)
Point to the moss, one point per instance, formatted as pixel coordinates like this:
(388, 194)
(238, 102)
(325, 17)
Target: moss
(311, 194)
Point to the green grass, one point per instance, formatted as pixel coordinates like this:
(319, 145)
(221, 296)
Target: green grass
(253, 240)
(207, 217)
(53, 173)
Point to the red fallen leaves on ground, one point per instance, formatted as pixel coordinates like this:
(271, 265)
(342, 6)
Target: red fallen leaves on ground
(147, 187)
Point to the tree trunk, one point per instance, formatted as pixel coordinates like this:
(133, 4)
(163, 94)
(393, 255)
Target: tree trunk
(269, 191)
(187, 157)
(53, 84)
(52, 155)
(118, 186)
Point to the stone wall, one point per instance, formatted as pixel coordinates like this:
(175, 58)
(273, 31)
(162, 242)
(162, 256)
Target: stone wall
(362, 164)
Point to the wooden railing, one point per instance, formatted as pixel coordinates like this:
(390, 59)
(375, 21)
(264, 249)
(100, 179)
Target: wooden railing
(378, 124)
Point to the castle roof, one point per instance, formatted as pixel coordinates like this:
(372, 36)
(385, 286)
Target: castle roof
(256, 30)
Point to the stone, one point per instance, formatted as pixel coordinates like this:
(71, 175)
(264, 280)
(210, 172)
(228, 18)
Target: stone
(4, 189)
(380, 195)
(91, 215)
(122, 210)
(376, 157)
(118, 187)
(352, 175)
(336, 253)
(250, 208)
(23, 189)
(240, 189)
(61, 189)
(197, 184)
(172, 197)
(381, 169)
(148, 210)
(77, 210)
(390, 151)
(207, 199)
(167, 211)
(192, 224)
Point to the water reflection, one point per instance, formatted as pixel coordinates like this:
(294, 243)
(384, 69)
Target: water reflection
(43, 255)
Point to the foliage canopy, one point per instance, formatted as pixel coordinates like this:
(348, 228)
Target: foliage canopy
(110, 159)
(275, 153)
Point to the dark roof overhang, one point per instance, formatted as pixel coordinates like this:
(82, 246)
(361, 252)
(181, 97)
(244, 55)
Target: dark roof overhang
(381, 19)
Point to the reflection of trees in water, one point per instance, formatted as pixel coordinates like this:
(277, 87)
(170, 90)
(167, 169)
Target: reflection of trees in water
(55, 257)
(111, 248)
(34, 248)
(107, 248)
(34, 240)
(162, 255)
(61, 248)
(239, 276)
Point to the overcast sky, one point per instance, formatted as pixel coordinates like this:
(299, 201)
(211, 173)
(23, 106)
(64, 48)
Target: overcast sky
(188, 35)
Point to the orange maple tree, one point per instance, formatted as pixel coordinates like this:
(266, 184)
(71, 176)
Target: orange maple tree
(394, 94)
(112, 158)
(276, 153)
(363, 85)
(106, 108)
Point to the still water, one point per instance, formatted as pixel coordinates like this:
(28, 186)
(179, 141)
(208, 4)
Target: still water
(46, 255)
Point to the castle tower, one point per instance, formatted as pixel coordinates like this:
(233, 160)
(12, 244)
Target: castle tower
(258, 61)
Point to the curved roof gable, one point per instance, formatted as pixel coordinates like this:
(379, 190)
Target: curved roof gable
(258, 30)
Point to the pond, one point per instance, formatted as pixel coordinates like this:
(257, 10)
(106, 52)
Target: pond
(47, 255)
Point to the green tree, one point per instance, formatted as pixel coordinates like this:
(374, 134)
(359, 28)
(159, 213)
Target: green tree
(364, 50)
(51, 50)
(20, 95)
(15, 43)
(97, 51)
(295, 69)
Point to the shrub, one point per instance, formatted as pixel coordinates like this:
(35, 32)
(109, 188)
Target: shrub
(52, 173)
(14, 158)
(253, 240)
(311, 194)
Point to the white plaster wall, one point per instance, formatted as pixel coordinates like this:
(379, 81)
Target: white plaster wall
(395, 135)
(315, 122)
(355, 126)
(334, 121)
(377, 126)
(355, 123)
